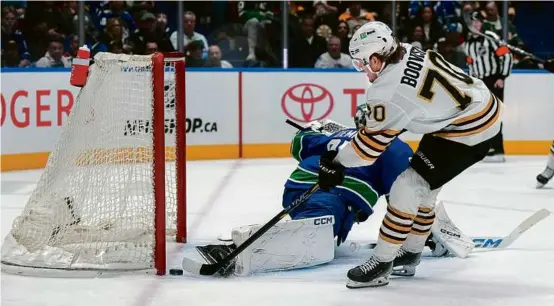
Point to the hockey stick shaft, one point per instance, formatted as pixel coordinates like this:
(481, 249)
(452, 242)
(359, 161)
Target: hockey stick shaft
(294, 124)
(211, 269)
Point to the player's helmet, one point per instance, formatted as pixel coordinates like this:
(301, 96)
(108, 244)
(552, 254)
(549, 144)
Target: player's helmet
(372, 38)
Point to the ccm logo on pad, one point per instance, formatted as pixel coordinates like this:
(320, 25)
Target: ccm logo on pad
(323, 221)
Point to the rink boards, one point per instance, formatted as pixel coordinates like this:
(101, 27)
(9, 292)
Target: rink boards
(241, 113)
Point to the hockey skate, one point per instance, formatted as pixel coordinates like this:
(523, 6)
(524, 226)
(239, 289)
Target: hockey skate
(544, 177)
(371, 273)
(405, 263)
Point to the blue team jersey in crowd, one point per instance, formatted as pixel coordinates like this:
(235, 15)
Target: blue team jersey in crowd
(362, 186)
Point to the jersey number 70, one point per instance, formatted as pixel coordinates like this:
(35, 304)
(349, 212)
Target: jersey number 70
(434, 75)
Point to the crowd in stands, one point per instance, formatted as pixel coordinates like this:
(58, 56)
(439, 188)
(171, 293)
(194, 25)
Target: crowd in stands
(233, 33)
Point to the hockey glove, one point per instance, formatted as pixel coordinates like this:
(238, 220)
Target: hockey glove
(330, 173)
(361, 114)
(549, 65)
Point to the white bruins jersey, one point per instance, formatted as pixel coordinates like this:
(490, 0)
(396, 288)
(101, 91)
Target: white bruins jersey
(423, 94)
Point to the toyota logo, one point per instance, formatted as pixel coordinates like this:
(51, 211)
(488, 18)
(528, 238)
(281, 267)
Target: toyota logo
(307, 102)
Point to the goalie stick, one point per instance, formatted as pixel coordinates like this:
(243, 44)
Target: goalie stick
(491, 242)
(195, 267)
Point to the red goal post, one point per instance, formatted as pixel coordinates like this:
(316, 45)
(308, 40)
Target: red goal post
(114, 186)
(161, 63)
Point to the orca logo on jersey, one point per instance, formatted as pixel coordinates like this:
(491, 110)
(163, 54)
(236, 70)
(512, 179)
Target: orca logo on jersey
(307, 102)
(413, 67)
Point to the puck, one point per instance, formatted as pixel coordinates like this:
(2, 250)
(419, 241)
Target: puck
(176, 271)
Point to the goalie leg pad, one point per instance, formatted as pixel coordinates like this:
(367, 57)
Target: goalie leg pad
(449, 235)
(288, 245)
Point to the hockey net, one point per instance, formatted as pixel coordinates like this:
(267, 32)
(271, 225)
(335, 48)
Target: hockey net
(114, 186)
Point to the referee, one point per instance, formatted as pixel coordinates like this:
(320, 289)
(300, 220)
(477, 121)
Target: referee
(492, 63)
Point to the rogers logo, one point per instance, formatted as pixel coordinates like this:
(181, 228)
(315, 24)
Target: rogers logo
(307, 102)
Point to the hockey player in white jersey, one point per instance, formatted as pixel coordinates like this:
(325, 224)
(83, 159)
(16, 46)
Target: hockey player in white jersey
(422, 93)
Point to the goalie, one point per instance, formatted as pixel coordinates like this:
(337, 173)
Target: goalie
(308, 239)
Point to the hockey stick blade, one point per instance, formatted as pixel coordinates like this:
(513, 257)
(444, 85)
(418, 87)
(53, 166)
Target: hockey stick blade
(194, 267)
(489, 242)
(504, 242)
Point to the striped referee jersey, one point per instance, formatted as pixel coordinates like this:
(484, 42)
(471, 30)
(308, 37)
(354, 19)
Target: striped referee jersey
(486, 58)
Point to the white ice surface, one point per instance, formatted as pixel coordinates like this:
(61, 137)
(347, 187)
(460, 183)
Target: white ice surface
(488, 199)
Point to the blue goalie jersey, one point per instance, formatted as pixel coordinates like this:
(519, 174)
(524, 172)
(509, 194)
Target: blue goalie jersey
(360, 189)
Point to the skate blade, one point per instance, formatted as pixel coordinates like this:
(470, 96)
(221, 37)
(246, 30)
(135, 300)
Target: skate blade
(378, 282)
(404, 271)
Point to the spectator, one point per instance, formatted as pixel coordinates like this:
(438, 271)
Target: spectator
(214, 58)
(116, 47)
(116, 9)
(254, 16)
(342, 32)
(325, 14)
(68, 13)
(148, 31)
(161, 24)
(417, 38)
(151, 47)
(54, 56)
(414, 8)
(10, 54)
(73, 48)
(48, 14)
(356, 27)
(355, 16)
(234, 46)
(333, 58)
(445, 46)
(431, 27)
(446, 12)
(114, 32)
(194, 54)
(305, 50)
(190, 35)
(494, 23)
(13, 38)
(37, 39)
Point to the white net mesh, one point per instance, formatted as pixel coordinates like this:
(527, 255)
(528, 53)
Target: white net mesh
(93, 207)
